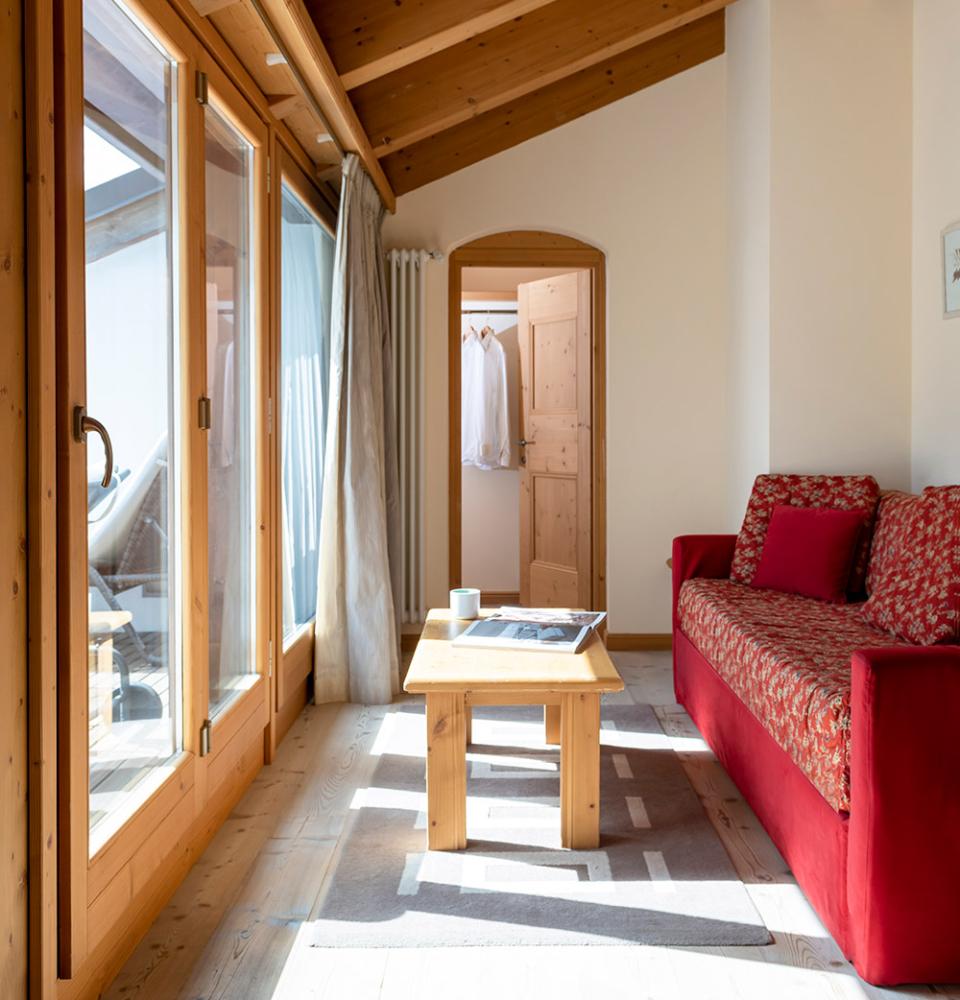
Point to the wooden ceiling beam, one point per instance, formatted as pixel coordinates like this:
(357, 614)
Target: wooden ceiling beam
(401, 54)
(207, 7)
(508, 62)
(585, 91)
(283, 105)
(292, 24)
(358, 32)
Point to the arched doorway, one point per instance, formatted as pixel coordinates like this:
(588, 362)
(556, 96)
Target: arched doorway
(563, 480)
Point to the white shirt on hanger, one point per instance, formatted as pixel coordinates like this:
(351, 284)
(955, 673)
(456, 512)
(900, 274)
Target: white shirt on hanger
(484, 424)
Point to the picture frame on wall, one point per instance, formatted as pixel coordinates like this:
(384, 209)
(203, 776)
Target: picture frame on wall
(951, 270)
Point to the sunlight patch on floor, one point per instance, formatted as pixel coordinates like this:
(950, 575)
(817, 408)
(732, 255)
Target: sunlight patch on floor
(630, 972)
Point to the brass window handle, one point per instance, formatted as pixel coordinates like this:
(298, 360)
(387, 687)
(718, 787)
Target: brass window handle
(82, 425)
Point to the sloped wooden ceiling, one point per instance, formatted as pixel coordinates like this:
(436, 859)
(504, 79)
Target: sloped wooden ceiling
(440, 84)
(421, 88)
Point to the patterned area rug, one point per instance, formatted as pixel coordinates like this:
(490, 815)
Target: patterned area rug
(661, 875)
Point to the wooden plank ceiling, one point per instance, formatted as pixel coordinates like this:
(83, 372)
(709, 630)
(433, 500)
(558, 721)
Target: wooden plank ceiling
(422, 88)
(440, 84)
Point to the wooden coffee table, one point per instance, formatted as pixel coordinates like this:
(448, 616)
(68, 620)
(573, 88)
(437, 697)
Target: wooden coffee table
(568, 685)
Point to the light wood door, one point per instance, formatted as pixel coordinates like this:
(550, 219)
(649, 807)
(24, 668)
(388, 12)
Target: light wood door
(555, 336)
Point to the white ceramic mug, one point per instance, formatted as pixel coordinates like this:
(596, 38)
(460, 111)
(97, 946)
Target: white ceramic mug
(465, 602)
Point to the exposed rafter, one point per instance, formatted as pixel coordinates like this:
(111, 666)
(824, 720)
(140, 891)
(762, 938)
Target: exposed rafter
(294, 28)
(400, 47)
(510, 61)
(282, 106)
(207, 7)
(562, 101)
(420, 88)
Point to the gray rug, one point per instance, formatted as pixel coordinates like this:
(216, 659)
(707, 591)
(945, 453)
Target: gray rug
(661, 875)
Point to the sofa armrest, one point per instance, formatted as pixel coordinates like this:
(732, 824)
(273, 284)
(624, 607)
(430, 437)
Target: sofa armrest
(700, 555)
(903, 872)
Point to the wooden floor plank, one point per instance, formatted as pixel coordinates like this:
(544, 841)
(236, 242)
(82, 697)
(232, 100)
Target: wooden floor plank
(238, 928)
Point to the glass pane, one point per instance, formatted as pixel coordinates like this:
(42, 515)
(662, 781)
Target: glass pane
(306, 278)
(131, 358)
(231, 480)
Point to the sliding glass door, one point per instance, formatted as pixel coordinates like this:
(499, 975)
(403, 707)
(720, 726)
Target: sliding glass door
(164, 578)
(306, 274)
(131, 195)
(231, 416)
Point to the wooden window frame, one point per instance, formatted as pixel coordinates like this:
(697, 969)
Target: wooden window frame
(134, 870)
(153, 851)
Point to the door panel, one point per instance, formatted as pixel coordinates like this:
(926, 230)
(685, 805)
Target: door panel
(554, 366)
(131, 360)
(132, 512)
(555, 339)
(555, 527)
(554, 587)
(231, 389)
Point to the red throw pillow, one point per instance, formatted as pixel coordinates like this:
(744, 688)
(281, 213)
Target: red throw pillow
(809, 551)
(859, 493)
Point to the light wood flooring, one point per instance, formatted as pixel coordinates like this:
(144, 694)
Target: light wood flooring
(234, 928)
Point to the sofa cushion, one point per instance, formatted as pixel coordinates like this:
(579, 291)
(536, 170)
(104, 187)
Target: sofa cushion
(809, 551)
(788, 660)
(769, 491)
(914, 572)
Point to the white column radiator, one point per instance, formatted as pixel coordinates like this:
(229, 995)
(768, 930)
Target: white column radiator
(405, 289)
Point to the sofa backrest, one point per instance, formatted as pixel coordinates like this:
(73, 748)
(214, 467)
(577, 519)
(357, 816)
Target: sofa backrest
(913, 574)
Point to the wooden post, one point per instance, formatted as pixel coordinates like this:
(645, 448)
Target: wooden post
(580, 771)
(446, 772)
(13, 512)
(551, 724)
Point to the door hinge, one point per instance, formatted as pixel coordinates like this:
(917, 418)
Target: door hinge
(202, 92)
(204, 413)
(268, 175)
(269, 414)
(270, 657)
(205, 737)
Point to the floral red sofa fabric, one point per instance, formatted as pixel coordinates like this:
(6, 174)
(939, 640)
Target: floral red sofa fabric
(788, 660)
(914, 574)
(773, 490)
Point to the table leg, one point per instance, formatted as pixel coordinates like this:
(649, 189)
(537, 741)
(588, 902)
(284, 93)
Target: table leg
(580, 771)
(446, 772)
(551, 724)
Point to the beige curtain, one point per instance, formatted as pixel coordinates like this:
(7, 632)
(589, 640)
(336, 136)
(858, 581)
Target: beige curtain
(357, 633)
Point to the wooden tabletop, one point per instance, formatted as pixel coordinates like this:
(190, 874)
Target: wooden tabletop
(440, 666)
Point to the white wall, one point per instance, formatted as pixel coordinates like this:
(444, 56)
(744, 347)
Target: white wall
(820, 136)
(748, 172)
(936, 204)
(643, 180)
(840, 253)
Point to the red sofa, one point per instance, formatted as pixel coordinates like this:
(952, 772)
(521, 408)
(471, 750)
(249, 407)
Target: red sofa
(845, 740)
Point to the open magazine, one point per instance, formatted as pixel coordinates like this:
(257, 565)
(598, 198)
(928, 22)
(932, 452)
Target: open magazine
(533, 628)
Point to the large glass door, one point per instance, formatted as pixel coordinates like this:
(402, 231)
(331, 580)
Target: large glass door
(306, 275)
(130, 422)
(163, 572)
(231, 408)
